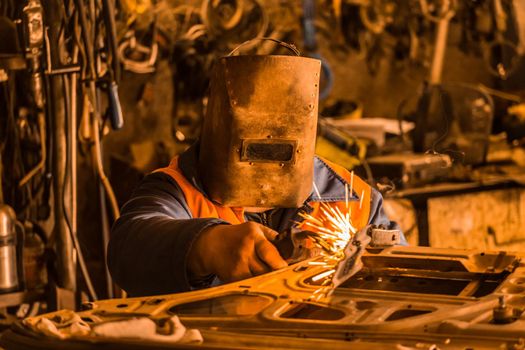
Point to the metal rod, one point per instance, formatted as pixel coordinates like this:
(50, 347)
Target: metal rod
(64, 70)
(73, 145)
(439, 51)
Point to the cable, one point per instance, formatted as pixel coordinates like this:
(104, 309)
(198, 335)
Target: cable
(368, 171)
(82, 263)
(445, 112)
(88, 42)
(105, 238)
(96, 150)
(97, 154)
(500, 94)
(111, 34)
(73, 141)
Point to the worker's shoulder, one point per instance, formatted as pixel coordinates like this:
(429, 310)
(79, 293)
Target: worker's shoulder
(322, 166)
(328, 175)
(157, 181)
(330, 171)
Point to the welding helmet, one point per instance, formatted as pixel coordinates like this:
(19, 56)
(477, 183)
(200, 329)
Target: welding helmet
(258, 135)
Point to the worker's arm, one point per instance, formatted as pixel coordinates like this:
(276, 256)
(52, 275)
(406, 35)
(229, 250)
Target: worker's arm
(156, 246)
(150, 242)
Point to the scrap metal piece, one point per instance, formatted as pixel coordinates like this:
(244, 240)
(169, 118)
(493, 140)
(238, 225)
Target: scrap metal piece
(384, 238)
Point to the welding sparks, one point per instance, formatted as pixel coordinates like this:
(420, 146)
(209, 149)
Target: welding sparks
(346, 196)
(332, 229)
(351, 182)
(323, 275)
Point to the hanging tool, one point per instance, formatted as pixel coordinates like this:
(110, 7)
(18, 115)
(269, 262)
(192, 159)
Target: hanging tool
(115, 110)
(443, 17)
(445, 14)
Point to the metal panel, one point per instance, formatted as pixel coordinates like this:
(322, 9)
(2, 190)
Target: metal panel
(402, 298)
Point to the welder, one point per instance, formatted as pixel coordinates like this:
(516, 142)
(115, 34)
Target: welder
(211, 216)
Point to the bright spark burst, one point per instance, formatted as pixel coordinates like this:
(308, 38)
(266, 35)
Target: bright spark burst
(332, 229)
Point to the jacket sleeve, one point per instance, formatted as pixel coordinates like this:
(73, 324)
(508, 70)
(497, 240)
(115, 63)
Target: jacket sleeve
(149, 244)
(379, 217)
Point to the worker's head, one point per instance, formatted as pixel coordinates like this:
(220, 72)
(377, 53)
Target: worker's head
(258, 137)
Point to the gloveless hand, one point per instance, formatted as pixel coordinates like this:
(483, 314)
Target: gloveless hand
(235, 252)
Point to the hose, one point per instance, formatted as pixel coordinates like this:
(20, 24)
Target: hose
(97, 157)
(72, 231)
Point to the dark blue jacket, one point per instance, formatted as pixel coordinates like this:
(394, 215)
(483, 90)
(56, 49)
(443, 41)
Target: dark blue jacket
(149, 245)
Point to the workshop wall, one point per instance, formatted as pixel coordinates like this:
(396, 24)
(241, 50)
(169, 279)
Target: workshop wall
(381, 93)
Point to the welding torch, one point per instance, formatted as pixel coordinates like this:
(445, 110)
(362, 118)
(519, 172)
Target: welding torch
(296, 245)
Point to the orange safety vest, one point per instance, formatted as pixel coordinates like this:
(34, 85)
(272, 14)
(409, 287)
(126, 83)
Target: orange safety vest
(202, 207)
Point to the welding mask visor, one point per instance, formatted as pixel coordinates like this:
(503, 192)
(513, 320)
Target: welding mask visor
(258, 136)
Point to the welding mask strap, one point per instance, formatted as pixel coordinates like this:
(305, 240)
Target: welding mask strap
(290, 47)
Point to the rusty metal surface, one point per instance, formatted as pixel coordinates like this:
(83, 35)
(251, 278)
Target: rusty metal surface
(270, 100)
(403, 298)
